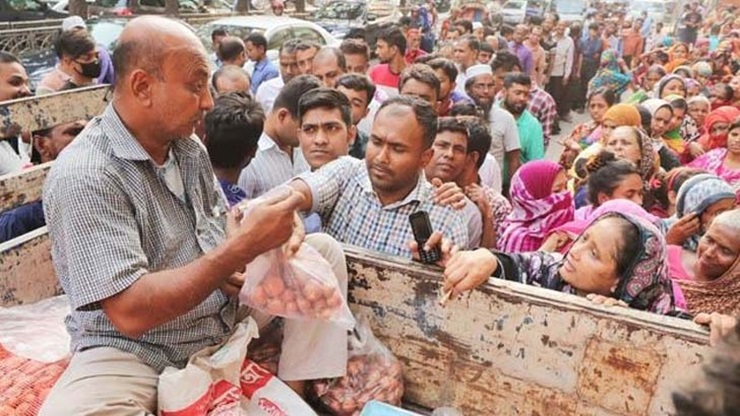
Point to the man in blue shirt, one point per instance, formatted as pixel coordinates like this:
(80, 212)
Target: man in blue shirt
(264, 70)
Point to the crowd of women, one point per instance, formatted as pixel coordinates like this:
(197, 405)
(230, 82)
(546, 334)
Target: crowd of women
(641, 209)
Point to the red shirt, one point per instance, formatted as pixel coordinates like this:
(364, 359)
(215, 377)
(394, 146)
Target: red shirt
(381, 75)
(411, 55)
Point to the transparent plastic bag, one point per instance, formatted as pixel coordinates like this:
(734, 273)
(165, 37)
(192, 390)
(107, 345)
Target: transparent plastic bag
(301, 286)
(36, 331)
(373, 373)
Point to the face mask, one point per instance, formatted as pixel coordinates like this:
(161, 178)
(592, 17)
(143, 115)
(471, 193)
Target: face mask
(90, 69)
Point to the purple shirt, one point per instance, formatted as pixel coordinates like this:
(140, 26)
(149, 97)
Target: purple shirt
(524, 55)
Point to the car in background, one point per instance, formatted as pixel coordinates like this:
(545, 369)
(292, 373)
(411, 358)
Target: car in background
(570, 10)
(657, 10)
(340, 17)
(514, 11)
(105, 31)
(277, 29)
(126, 7)
(21, 10)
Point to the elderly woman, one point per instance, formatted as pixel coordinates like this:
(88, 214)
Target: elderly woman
(618, 259)
(700, 199)
(710, 277)
(617, 116)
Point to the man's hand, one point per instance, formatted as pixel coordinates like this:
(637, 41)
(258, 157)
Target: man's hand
(296, 239)
(683, 229)
(233, 218)
(270, 223)
(719, 325)
(476, 194)
(233, 284)
(447, 248)
(448, 194)
(565, 81)
(467, 270)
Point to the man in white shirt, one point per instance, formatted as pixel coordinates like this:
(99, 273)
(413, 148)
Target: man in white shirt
(561, 70)
(269, 90)
(279, 156)
(466, 55)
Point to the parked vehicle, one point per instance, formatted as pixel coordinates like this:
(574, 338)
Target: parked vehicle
(570, 10)
(126, 7)
(277, 29)
(514, 11)
(18, 10)
(339, 17)
(658, 10)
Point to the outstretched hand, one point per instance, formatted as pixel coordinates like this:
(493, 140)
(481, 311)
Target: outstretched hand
(719, 325)
(447, 248)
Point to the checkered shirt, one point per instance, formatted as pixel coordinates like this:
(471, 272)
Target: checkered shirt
(270, 168)
(543, 108)
(112, 219)
(352, 213)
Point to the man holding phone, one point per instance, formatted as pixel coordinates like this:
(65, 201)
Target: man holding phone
(368, 205)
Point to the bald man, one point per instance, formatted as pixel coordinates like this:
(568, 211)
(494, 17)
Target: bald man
(142, 243)
(230, 78)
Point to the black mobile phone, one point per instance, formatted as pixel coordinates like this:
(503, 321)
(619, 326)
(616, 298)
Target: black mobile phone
(422, 229)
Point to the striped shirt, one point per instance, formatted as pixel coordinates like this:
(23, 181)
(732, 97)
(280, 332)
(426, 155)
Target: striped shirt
(112, 219)
(270, 167)
(352, 213)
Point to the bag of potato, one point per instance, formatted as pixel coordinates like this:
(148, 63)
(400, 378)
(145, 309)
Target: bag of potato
(301, 286)
(373, 373)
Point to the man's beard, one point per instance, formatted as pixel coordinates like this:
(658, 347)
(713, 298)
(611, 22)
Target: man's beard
(486, 107)
(515, 109)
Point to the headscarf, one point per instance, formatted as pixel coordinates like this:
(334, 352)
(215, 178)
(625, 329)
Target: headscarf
(675, 62)
(685, 68)
(535, 209)
(609, 74)
(648, 157)
(623, 115)
(576, 227)
(702, 68)
(721, 295)
(645, 284)
(673, 138)
(696, 195)
(664, 81)
(653, 105)
(725, 114)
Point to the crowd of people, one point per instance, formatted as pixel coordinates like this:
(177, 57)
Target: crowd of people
(640, 210)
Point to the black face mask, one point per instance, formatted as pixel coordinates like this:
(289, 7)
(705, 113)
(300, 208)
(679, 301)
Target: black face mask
(90, 69)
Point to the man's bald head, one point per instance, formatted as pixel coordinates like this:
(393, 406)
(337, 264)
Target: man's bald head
(147, 41)
(162, 74)
(230, 78)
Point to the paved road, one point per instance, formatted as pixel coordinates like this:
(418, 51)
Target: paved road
(555, 148)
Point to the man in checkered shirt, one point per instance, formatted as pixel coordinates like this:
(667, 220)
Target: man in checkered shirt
(140, 243)
(368, 203)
